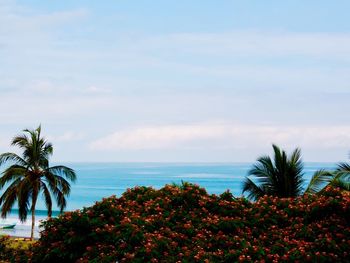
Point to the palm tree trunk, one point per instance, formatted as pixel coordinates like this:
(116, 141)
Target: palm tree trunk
(34, 198)
(33, 224)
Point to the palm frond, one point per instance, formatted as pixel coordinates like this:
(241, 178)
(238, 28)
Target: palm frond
(12, 173)
(295, 156)
(9, 197)
(296, 162)
(56, 181)
(341, 179)
(55, 186)
(342, 176)
(294, 176)
(24, 199)
(22, 141)
(254, 191)
(264, 171)
(280, 159)
(319, 180)
(60, 199)
(343, 167)
(47, 149)
(264, 163)
(13, 158)
(63, 171)
(48, 200)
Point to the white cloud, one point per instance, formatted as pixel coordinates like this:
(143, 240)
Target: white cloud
(156, 137)
(224, 136)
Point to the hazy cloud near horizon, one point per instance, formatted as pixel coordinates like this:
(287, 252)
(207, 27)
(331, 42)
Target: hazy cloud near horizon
(219, 136)
(148, 82)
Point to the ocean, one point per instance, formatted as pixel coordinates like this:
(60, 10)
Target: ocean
(98, 180)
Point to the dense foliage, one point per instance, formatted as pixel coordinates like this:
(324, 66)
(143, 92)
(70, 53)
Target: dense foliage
(185, 224)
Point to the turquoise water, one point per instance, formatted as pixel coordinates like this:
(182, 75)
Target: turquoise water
(98, 180)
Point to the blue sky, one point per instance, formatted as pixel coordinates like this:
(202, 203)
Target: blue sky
(203, 81)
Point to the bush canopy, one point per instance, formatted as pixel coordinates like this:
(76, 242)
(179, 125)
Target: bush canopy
(186, 224)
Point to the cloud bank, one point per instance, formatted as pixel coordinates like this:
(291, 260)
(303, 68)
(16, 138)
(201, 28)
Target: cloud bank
(223, 136)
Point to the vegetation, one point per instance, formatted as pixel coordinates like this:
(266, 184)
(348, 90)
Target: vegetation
(14, 249)
(282, 176)
(341, 177)
(188, 225)
(30, 174)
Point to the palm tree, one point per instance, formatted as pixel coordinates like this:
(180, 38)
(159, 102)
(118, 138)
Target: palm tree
(30, 175)
(282, 176)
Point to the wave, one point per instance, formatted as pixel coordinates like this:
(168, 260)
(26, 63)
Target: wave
(38, 213)
(98, 187)
(203, 175)
(145, 173)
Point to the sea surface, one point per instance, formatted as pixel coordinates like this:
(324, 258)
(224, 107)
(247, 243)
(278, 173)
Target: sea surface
(98, 180)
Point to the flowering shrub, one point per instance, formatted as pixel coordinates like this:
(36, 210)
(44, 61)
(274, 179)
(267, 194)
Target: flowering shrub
(187, 225)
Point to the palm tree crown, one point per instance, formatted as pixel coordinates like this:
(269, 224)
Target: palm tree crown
(30, 175)
(281, 176)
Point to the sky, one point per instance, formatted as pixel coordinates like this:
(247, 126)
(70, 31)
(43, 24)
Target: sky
(177, 81)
